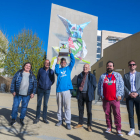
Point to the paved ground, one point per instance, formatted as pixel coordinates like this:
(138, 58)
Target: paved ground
(42, 131)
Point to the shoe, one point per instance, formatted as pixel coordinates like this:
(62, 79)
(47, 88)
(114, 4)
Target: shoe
(89, 128)
(36, 121)
(132, 132)
(68, 126)
(119, 133)
(108, 130)
(139, 132)
(78, 126)
(13, 122)
(59, 123)
(45, 121)
(21, 122)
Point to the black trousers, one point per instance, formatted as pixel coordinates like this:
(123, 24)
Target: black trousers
(83, 98)
(131, 102)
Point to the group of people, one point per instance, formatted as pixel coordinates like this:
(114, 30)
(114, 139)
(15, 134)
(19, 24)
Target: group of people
(111, 87)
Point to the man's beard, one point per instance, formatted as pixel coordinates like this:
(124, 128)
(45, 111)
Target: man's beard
(109, 70)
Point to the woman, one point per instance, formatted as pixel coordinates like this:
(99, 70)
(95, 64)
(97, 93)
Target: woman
(23, 87)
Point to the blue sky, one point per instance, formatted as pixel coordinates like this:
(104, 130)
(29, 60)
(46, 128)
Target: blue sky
(113, 15)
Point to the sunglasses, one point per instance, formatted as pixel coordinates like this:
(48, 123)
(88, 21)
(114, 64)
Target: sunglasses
(132, 65)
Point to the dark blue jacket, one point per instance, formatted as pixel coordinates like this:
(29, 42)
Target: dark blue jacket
(16, 81)
(45, 78)
(91, 85)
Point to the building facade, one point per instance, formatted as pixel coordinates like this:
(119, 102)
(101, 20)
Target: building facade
(67, 25)
(106, 39)
(120, 53)
(99, 47)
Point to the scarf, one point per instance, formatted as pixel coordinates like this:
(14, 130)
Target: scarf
(83, 80)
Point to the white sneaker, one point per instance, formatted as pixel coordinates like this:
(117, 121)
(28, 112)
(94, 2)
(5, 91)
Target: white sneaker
(132, 132)
(119, 133)
(108, 130)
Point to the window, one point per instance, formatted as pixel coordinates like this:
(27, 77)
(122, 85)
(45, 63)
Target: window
(100, 64)
(94, 72)
(98, 38)
(98, 56)
(97, 59)
(98, 50)
(112, 41)
(98, 43)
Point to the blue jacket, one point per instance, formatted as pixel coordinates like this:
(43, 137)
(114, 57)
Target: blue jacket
(119, 84)
(64, 76)
(91, 85)
(45, 79)
(16, 81)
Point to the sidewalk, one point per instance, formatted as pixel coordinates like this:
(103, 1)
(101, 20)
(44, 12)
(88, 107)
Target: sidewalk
(42, 131)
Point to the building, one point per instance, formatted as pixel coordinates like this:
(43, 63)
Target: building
(120, 53)
(3, 40)
(65, 21)
(84, 26)
(99, 47)
(107, 38)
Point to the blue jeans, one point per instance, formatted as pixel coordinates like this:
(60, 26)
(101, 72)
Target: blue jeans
(24, 105)
(40, 94)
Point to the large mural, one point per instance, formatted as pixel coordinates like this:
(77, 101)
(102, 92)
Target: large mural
(72, 40)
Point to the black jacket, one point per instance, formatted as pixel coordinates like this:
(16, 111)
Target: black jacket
(91, 85)
(45, 79)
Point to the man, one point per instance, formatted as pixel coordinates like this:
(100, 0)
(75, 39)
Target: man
(132, 95)
(45, 80)
(64, 85)
(23, 88)
(86, 84)
(111, 88)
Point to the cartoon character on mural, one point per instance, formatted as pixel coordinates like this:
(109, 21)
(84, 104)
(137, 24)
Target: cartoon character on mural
(73, 40)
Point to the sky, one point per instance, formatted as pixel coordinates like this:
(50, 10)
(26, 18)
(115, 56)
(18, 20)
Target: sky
(113, 15)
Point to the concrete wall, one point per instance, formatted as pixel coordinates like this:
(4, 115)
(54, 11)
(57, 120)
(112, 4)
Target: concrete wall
(104, 39)
(120, 53)
(89, 34)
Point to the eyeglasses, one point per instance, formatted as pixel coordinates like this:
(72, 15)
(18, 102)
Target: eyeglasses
(132, 65)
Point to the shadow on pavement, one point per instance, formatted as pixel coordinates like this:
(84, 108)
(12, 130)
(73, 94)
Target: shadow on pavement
(7, 113)
(74, 137)
(111, 136)
(52, 117)
(17, 130)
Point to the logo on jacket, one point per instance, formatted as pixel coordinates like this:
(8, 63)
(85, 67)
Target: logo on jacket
(63, 73)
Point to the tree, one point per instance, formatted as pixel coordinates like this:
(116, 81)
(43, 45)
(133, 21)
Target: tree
(25, 47)
(3, 51)
(44, 58)
(3, 46)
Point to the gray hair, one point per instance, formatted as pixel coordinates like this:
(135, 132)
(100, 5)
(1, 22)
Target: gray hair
(48, 60)
(88, 65)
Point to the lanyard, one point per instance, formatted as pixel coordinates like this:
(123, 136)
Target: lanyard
(110, 77)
